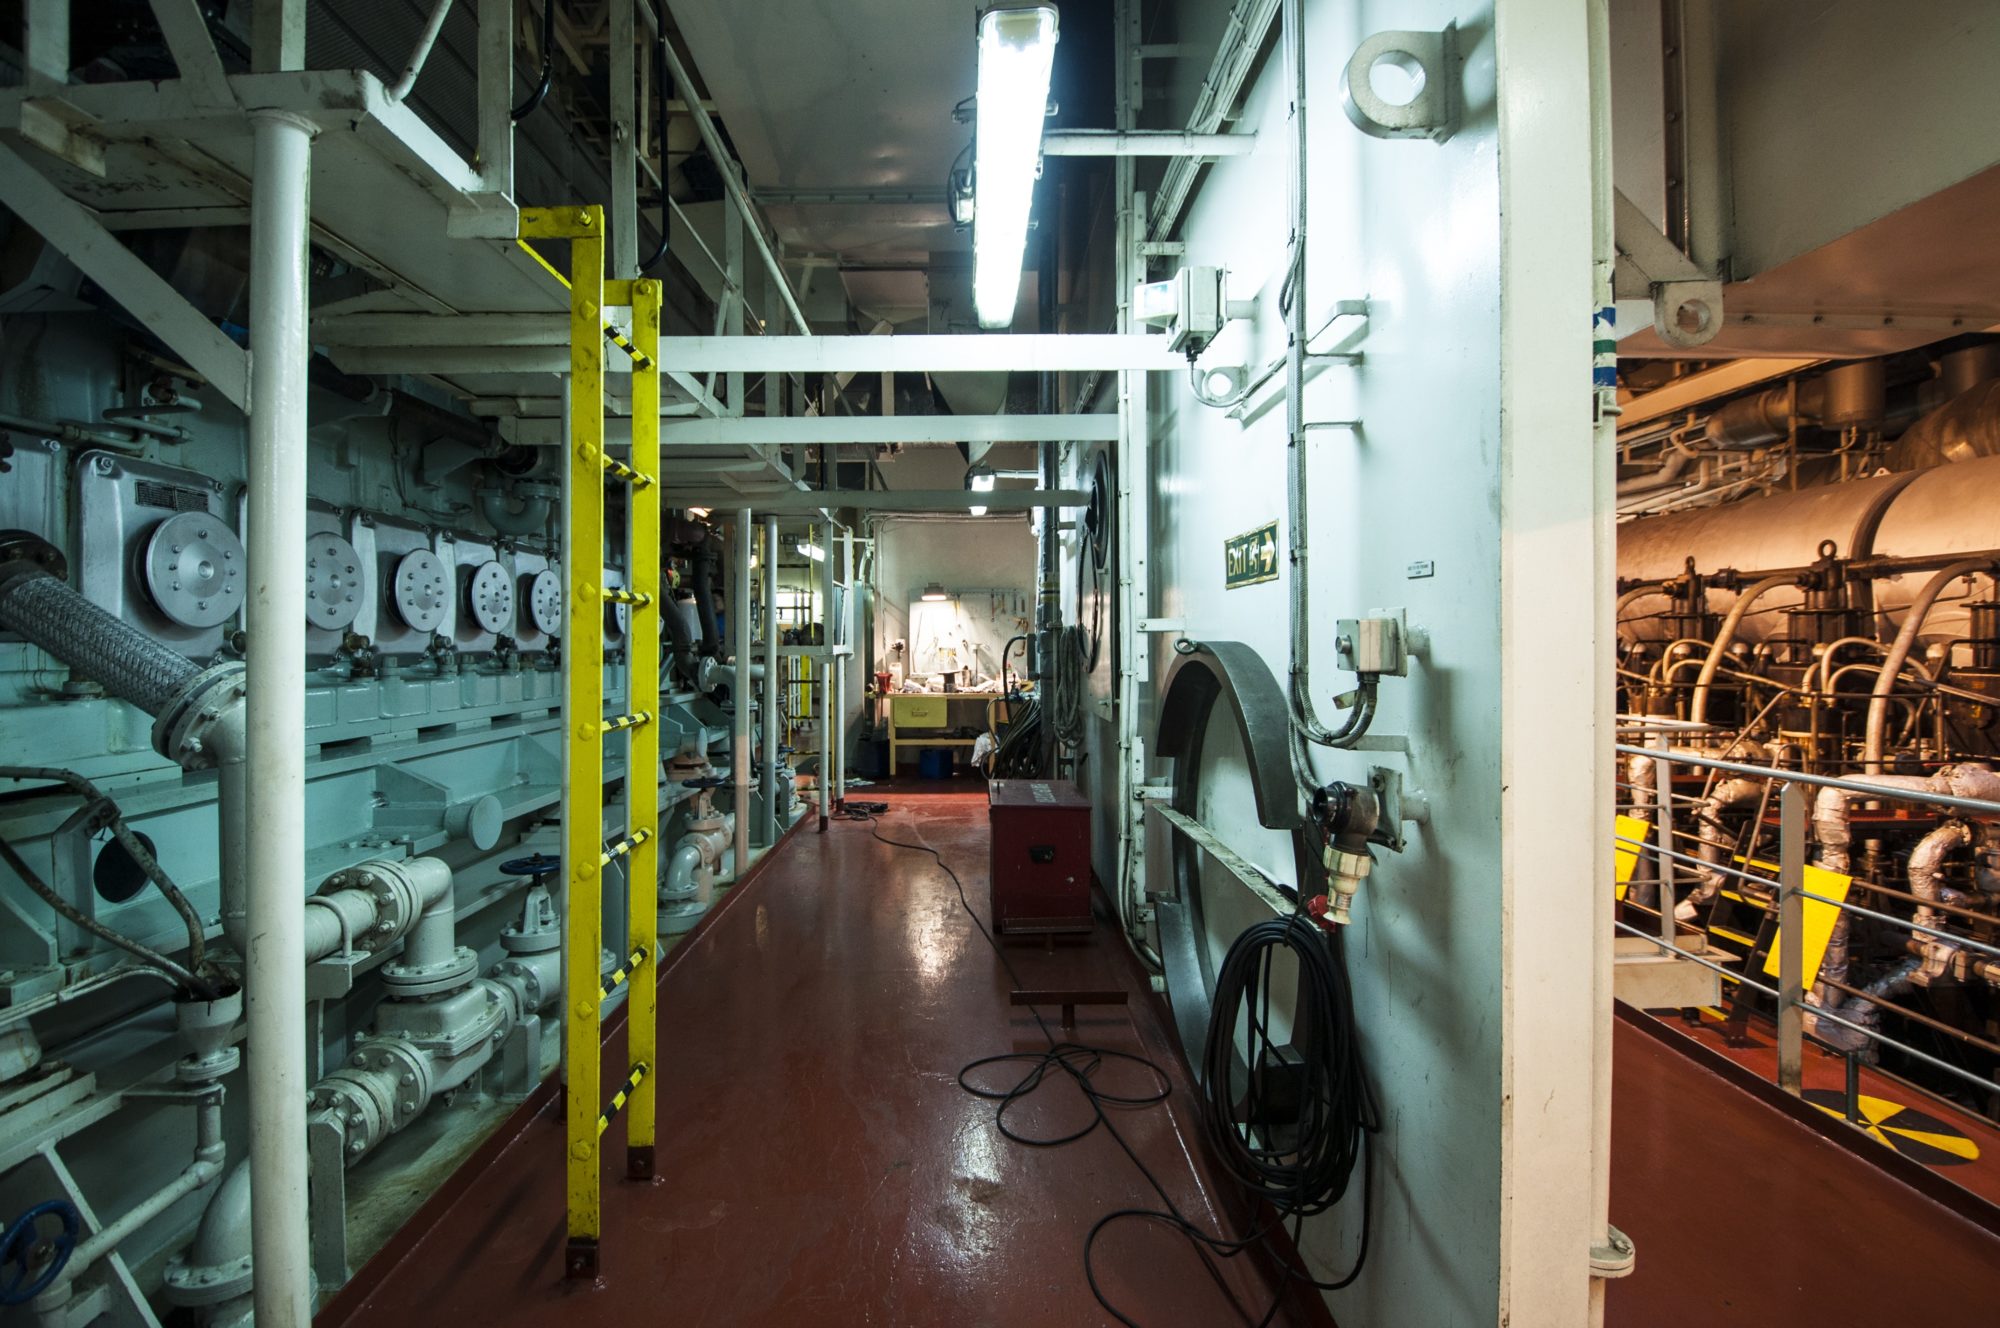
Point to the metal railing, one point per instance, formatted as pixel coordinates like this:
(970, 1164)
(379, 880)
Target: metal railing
(1792, 791)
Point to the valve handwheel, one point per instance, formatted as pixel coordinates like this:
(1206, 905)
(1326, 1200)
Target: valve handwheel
(31, 1257)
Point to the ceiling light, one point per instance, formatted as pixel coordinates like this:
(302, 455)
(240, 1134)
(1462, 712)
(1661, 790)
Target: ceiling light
(1017, 48)
(812, 551)
(979, 479)
(698, 513)
(934, 594)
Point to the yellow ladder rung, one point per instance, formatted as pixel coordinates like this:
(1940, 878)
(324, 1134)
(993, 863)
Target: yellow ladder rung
(620, 595)
(640, 360)
(617, 722)
(618, 1099)
(624, 846)
(619, 470)
(621, 973)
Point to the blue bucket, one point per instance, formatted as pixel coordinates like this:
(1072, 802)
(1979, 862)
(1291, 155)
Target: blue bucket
(935, 763)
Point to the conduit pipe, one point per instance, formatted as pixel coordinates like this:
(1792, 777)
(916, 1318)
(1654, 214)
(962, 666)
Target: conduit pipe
(740, 695)
(1698, 710)
(1892, 665)
(274, 962)
(420, 53)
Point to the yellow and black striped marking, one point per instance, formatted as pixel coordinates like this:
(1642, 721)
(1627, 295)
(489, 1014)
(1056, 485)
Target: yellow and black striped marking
(621, 973)
(624, 846)
(617, 722)
(640, 360)
(638, 479)
(620, 595)
(1917, 1135)
(618, 1099)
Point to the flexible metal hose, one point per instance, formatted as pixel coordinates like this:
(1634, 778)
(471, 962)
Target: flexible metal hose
(90, 641)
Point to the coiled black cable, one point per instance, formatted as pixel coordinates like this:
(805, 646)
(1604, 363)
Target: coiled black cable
(1298, 1180)
(539, 93)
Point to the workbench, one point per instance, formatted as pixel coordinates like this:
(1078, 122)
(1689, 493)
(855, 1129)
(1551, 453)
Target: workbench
(924, 719)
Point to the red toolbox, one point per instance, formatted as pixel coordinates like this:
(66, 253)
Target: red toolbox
(1040, 871)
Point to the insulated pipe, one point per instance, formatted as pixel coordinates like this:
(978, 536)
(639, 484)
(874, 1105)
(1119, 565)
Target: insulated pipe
(704, 597)
(771, 671)
(1926, 862)
(274, 962)
(1892, 665)
(1709, 830)
(1699, 709)
(740, 694)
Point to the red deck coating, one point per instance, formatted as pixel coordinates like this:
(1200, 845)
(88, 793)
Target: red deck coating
(819, 1163)
(1744, 1216)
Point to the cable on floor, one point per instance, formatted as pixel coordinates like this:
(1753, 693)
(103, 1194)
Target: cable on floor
(1299, 1179)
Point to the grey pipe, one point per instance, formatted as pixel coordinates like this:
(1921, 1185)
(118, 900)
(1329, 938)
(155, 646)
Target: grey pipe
(530, 518)
(1698, 710)
(704, 598)
(1899, 652)
(769, 713)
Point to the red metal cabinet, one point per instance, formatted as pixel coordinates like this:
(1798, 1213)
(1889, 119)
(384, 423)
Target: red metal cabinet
(1040, 871)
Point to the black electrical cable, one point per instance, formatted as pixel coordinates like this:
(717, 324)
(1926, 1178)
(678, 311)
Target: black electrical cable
(660, 80)
(33, 880)
(541, 89)
(1299, 1180)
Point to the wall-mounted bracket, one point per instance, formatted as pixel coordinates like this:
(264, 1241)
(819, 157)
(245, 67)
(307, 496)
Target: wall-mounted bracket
(1423, 100)
(1687, 302)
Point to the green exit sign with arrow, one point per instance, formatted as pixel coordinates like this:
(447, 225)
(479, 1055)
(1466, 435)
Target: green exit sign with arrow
(1250, 557)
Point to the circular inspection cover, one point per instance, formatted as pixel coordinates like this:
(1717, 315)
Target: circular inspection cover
(333, 582)
(194, 569)
(490, 592)
(423, 589)
(543, 592)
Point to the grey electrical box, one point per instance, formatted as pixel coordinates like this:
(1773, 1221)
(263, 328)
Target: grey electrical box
(1371, 645)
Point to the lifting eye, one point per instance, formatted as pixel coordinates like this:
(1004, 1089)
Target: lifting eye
(116, 873)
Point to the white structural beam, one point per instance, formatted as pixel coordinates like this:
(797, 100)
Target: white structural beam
(921, 353)
(194, 53)
(875, 500)
(1144, 143)
(810, 431)
(74, 231)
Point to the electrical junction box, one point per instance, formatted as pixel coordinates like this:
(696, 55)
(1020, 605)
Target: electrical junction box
(1371, 645)
(1040, 867)
(1191, 306)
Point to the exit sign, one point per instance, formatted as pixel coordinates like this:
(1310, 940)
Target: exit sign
(1250, 557)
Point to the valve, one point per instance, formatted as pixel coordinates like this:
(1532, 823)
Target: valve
(30, 1259)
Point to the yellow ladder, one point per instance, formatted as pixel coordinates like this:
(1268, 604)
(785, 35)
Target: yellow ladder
(585, 854)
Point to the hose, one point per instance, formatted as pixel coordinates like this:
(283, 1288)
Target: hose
(541, 89)
(30, 878)
(104, 814)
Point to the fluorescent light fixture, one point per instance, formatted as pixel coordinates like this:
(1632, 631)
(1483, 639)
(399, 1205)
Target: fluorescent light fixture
(698, 513)
(934, 594)
(979, 479)
(1017, 48)
(812, 551)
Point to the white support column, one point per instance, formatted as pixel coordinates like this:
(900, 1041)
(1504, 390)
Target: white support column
(496, 96)
(773, 667)
(47, 44)
(733, 309)
(277, 35)
(739, 693)
(275, 965)
(624, 141)
(841, 666)
(824, 782)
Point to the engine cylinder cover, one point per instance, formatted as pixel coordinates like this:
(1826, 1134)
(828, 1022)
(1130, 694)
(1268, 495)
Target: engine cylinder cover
(422, 590)
(490, 592)
(333, 582)
(544, 596)
(194, 569)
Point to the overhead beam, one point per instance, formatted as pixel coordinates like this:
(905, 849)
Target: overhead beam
(74, 231)
(885, 429)
(1144, 143)
(186, 31)
(855, 197)
(879, 500)
(921, 353)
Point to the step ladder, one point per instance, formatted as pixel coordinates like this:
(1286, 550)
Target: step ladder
(590, 470)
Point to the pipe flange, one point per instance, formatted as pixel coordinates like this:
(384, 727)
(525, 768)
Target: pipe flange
(410, 981)
(23, 552)
(193, 568)
(333, 582)
(181, 730)
(543, 594)
(422, 590)
(398, 902)
(489, 593)
(398, 1072)
(196, 1285)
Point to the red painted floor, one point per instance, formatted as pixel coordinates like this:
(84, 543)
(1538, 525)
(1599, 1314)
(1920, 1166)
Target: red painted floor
(1743, 1216)
(819, 1163)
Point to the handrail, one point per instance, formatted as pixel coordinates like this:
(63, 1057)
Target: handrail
(1862, 787)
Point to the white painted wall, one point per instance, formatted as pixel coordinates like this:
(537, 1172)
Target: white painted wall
(1471, 953)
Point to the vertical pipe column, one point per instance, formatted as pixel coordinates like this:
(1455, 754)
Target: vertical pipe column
(825, 781)
(274, 962)
(1791, 942)
(772, 668)
(739, 693)
(624, 50)
(841, 666)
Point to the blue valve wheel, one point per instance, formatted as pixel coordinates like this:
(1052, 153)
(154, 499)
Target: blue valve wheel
(537, 866)
(31, 1257)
